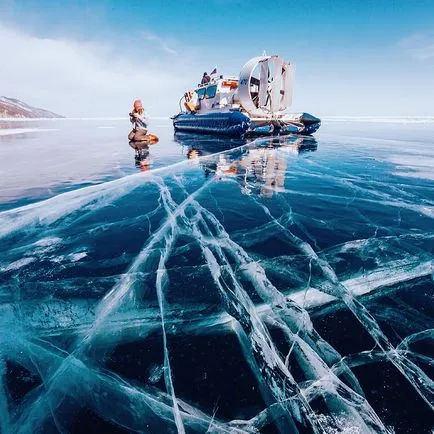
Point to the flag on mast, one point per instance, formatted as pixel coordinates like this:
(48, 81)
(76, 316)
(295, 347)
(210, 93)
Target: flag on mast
(214, 71)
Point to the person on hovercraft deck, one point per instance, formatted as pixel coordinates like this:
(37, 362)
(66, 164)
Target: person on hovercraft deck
(138, 119)
(205, 78)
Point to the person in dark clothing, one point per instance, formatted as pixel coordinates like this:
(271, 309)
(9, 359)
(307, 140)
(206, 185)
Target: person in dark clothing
(205, 79)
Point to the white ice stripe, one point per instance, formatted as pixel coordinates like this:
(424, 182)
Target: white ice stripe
(426, 334)
(374, 356)
(12, 131)
(266, 290)
(4, 413)
(419, 174)
(417, 378)
(324, 384)
(77, 316)
(113, 386)
(283, 424)
(16, 265)
(374, 242)
(81, 379)
(259, 339)
(88, 119)
(93, 197)
(50, 210)
(387, 276)
(111, 302)
(413, 146)
(115, 296)
(362, 285)
(239, 304)
(161, 283)
(381, 119)
(427, 210)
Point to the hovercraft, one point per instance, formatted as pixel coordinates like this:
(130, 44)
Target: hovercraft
(254, 103)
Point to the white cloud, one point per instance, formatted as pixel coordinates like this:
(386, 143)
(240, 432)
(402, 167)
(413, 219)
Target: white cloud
(92, 79)
(419, 45)
(79, 78)
(161, 42)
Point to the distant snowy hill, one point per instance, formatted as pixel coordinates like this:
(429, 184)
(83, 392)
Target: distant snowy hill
(14, 108)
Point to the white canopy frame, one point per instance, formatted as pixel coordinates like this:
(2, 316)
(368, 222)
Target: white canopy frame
(272, 91)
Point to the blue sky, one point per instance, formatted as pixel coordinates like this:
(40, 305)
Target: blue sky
(352, 57)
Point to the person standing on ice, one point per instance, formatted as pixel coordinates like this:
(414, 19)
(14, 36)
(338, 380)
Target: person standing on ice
(138, 119)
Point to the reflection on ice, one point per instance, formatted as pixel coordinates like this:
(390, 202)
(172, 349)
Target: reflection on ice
(259, 166)
(115, 297)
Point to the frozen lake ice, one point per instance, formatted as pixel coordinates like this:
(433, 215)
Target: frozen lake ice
(215, 285)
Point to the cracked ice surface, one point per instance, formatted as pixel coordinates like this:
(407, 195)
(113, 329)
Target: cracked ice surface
(255, 289)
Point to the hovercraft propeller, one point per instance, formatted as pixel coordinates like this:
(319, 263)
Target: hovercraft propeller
(265, 85)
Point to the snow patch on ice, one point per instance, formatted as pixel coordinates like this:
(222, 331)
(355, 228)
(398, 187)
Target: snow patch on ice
(155, 373)
(77, 256)
(16, 265)
(48, 241)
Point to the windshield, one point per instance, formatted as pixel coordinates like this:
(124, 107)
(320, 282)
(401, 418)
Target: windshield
(200, 92)
(211, 91)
